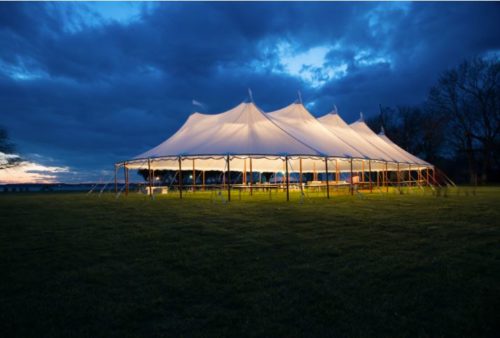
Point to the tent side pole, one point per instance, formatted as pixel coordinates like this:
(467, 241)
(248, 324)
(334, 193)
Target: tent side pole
(287, 180)
(362, 171)
(398, 177)
(300, 172)
(370, 175)
(327, 180)
(337, 174)
(228, 179)
(116, 179)
(180, 177)
(244, 176)
(251, 177)
(352, 180)
(386, 179)
(194, 176)
(149, 178)
(125, 169)
(203, 180)
(409, 175)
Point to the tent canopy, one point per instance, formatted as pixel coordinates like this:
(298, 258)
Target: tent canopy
(252, 138)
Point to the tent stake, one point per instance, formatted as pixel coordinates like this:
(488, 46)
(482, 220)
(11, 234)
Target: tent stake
(287, 183)
(180, 177)
(327, 180)
(228, 179)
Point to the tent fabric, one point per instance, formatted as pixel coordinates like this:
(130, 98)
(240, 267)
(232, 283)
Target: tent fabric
(335, 124)
(205, 141)
(400, 156)
(298, 121)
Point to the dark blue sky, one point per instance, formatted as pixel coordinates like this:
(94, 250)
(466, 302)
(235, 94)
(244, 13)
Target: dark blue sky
(83, 85)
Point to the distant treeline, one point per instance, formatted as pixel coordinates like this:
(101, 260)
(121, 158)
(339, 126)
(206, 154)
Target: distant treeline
(457, 128)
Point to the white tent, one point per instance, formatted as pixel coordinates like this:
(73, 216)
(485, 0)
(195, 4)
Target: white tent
(253, 140)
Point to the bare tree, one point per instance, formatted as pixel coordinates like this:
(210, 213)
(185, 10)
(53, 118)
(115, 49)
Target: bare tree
(469, 96)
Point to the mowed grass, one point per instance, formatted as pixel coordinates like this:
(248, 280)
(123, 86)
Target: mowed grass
(76, 265)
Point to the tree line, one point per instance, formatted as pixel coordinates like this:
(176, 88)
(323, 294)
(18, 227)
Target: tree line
(457, 128)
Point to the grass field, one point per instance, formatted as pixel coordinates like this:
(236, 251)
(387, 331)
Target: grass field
(76, 265)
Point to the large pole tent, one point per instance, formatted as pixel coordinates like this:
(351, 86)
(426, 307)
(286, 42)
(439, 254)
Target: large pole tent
(289, 141)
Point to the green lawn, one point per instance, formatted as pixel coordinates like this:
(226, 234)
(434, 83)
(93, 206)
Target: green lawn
(76, 265)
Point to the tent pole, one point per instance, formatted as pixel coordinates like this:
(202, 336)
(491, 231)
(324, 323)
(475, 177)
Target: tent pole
(398, 177)
(327, 180)
(434, 175)
(370, 175)
(244, 176)
(149, 178)
(362, 171)
(194, 177)
(386, 179)
(287, 183)
(352, 181)
(116, 180)
(409, 175)
(180, 177)
(126, 179)
(337, 174)
(378, 179)
(300, 172)
(203, 180)
(251, 177)
(228, 179)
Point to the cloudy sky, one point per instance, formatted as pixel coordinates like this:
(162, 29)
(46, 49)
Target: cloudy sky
(83, 85)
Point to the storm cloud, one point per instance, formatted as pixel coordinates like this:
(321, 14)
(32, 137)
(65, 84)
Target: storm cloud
(83, 85)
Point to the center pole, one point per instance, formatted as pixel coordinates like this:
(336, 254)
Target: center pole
(327, 180)
(180, 177)
(228, 179)
(287, 183)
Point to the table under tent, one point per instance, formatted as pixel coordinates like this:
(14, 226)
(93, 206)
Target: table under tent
(299, 151)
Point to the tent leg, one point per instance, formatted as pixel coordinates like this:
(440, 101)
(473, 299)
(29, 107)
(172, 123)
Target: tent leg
(327, 179)
(386, 178)
(203, 180)
(180, 177)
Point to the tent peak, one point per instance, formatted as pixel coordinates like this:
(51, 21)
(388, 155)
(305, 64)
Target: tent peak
(361, 117)
(382, 130)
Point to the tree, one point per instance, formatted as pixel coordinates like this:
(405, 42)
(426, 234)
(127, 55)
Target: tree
(8, 158)
(469, 95)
